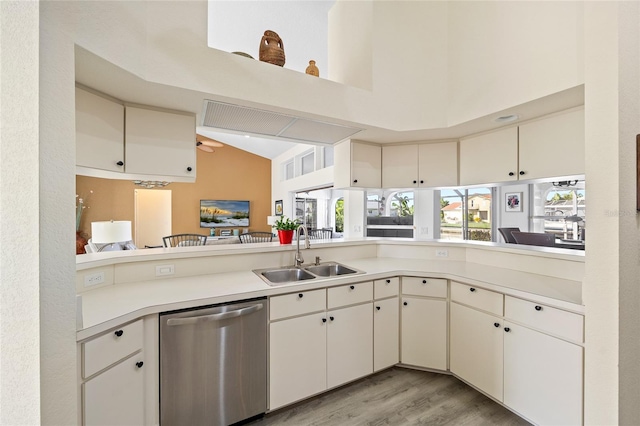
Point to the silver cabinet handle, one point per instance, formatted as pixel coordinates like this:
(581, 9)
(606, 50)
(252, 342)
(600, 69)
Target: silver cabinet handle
(214, 317)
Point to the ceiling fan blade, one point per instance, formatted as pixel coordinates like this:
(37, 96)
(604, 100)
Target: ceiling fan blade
(208, 141)
(204, 148)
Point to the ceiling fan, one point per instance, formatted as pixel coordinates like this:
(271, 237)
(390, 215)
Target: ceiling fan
(206, 144)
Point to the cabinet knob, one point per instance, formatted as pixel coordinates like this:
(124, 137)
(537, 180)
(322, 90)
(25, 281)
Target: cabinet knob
(415, 181)
(511, 173)
(324, 320)
(378, 308)
(300, 295)
(120, 163)
(189, 169)
(388, 281)
(405, 303)
(352, 287)
(521, 173)
(421, 181)
(507, 329)
(139, 364)
(472, 289)
(355, 181)
(424, 281)
(118, 333)
(496, 324)
(331, 318)
(538, 308)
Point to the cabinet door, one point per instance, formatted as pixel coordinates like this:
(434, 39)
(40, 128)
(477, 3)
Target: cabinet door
(424, 333)
(99, 132)
(489, 158)
(542, 376)
(438, 164)
(475, 349)
(386, 333)
(297, 359)
(400, 166)
(553, 146)
(366, 165)
(116, 397)
(160, 143)
(349, 344)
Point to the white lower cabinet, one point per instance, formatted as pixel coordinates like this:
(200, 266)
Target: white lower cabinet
(116, 396)
(386, 333)
(297, 359)
(349, 344)
(424, 332)
(476, 348)
(542, 376)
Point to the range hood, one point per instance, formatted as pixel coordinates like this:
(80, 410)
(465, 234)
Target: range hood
(266, 123)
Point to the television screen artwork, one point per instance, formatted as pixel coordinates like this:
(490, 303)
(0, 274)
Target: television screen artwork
(224, 213)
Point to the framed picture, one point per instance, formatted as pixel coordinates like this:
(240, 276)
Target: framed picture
(513, 201)
(279, 208)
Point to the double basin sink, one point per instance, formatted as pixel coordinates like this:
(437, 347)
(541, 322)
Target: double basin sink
(292, 274)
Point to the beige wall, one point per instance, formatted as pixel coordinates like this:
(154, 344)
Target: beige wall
(226, 174)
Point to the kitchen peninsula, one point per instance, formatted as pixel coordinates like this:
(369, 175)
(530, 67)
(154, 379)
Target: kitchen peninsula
(457, 282)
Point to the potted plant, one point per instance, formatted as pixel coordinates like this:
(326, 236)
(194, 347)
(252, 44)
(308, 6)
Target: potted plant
(285, 227)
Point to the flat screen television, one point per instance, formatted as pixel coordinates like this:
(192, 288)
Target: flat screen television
(224, 214)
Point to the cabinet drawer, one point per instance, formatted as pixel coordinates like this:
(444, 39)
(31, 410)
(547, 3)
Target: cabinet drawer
(111, 347)
(479, 298)
(349, 294)
(552, 320)
(290, 305)
(431, 287)
(386, 288)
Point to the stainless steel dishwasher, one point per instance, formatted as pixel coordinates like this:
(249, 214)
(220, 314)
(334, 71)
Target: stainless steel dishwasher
(213, 364)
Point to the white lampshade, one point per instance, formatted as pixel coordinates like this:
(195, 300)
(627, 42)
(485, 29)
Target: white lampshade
(110, 231)
(271, 220)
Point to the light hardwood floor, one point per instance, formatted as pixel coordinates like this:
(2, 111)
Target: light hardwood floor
(397, 396)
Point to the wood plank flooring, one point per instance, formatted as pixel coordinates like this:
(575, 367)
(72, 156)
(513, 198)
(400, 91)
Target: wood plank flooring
(397, 396)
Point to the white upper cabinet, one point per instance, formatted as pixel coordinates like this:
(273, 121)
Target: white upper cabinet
(553, 146)
(160, 143)
(357, 165)
(99, 132)
(420, 166)
(492, 157)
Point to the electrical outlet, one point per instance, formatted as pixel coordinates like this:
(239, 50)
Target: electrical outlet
(93, 279)
(442, 253)
(164, 270)
(357, 228)
(424, 230)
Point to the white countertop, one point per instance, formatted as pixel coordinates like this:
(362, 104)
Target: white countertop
(110, 306)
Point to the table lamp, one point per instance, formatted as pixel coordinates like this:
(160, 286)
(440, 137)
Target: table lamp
(110, 232)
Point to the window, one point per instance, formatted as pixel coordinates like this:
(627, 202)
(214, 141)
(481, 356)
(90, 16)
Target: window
(560, 208)
(307, 163)
(288, 170)
(466, 214)
(320, 208)
(390, 214)
(327, 156)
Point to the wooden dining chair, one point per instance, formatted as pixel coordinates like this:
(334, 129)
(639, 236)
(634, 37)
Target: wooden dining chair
(256, 237)
(320, 234)
(184, 240)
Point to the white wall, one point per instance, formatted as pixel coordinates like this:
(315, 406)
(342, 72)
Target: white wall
(503, 54)
(20, 322)
(603, 180)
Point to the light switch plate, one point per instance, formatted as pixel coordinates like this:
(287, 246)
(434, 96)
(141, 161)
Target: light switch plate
(164, 270)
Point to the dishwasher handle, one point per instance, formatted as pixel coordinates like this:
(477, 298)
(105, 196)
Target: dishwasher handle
(215, 317)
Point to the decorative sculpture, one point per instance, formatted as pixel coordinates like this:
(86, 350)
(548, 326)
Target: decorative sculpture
(272, 48)
(312, 69)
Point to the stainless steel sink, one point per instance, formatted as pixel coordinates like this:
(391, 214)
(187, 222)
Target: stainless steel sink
(330, 269)
(286, 275)
(291, 274)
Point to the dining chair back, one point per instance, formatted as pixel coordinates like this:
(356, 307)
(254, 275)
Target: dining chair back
(256, 237)
(506, 234)
(184, 240)
(320, 234)
(534, 238)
